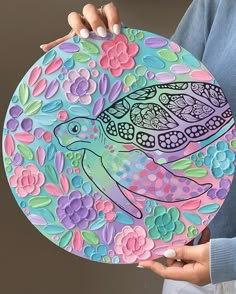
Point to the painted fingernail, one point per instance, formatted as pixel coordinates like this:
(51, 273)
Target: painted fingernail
(84, 33)
(101, 32)
(140, 266)
(116, 29)
(170, 253)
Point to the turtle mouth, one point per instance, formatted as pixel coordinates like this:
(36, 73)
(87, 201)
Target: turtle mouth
(76, 145)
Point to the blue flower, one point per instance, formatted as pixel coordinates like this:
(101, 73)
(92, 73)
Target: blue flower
(220, 159)
(95, 253)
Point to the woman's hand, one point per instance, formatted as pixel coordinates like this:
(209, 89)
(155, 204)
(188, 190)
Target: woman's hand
(186, 263)
(96, 19)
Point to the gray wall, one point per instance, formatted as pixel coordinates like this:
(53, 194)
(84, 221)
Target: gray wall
(29, 263)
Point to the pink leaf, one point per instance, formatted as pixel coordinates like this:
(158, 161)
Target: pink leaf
(9, 145)
(59, 161)
(40, 155)
(53, 189)
(24, 137)
(34, 75)
(64, 182)
(191, 205)
(77, 240)
(53, 66)
(39, 87)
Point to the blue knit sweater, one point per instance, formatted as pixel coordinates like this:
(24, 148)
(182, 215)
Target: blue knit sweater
(208, 31)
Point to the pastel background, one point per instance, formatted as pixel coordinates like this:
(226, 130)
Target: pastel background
(29, 262)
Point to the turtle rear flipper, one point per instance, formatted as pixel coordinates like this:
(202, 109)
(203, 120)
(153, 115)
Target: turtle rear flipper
(151, 180)
(94, 169)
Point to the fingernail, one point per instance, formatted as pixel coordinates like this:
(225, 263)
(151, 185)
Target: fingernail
(41, 46)
(170, 253)
(84, 33)
(140, 266)
(101, 32)
(116, 29)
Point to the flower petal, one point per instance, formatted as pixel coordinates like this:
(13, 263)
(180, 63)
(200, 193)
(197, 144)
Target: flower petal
(129, 64)
(133, 49)
(104, 61)
(73, 74)
(121, 38)
(72, 98)
(84, 73)
(116, 72)
(66, 86)
(92, 87)
(86, 99)
(107, 44)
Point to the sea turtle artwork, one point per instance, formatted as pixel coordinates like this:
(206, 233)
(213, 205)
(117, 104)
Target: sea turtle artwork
(116, 148)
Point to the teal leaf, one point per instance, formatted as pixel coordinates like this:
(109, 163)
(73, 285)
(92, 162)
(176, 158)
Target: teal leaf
(209, 208)
(192, 218)
(65, 239)
(46, 214)
(54, 229)
(51, 173)
(124, 218)
(97, 224)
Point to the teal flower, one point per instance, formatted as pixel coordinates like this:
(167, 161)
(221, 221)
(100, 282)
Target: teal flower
(220, 159)
(164, 223)
(95, 253)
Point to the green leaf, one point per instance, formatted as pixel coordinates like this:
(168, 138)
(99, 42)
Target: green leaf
(181, 164)
(65, 239)
(23, 93)
(90, 47)
(25, 151)
(81, 57)
(209, 208)
(51, 173)
(33, 107)
(90, 237)
(39, 201)
(196, 172)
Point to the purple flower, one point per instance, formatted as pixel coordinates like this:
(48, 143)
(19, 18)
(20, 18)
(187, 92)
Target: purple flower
(76, 210)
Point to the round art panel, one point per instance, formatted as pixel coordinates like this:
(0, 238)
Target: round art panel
(117, 148)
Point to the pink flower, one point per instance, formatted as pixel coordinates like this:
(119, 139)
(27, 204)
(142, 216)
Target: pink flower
(108, 208)
(27, 180)
(79, 86)
(133, 244)
(118, 55)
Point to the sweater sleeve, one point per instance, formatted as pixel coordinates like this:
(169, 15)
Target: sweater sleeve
(194, 28)
(222, 260)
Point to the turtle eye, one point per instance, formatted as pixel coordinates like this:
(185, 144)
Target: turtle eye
(74, 128)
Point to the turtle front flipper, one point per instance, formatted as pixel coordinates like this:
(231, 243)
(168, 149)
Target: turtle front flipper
(94, 169)
(151, 180)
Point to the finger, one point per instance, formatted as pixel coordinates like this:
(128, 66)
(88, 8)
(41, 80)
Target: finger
(94, 18)
(184, 252)
(49, 46)
(205, 237)
(76, 22)
(180, 272)
(111, 13)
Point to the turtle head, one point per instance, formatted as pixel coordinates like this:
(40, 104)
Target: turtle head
(75, 134)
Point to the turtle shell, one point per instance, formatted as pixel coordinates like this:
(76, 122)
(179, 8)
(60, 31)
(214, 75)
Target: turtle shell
(168, 117)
